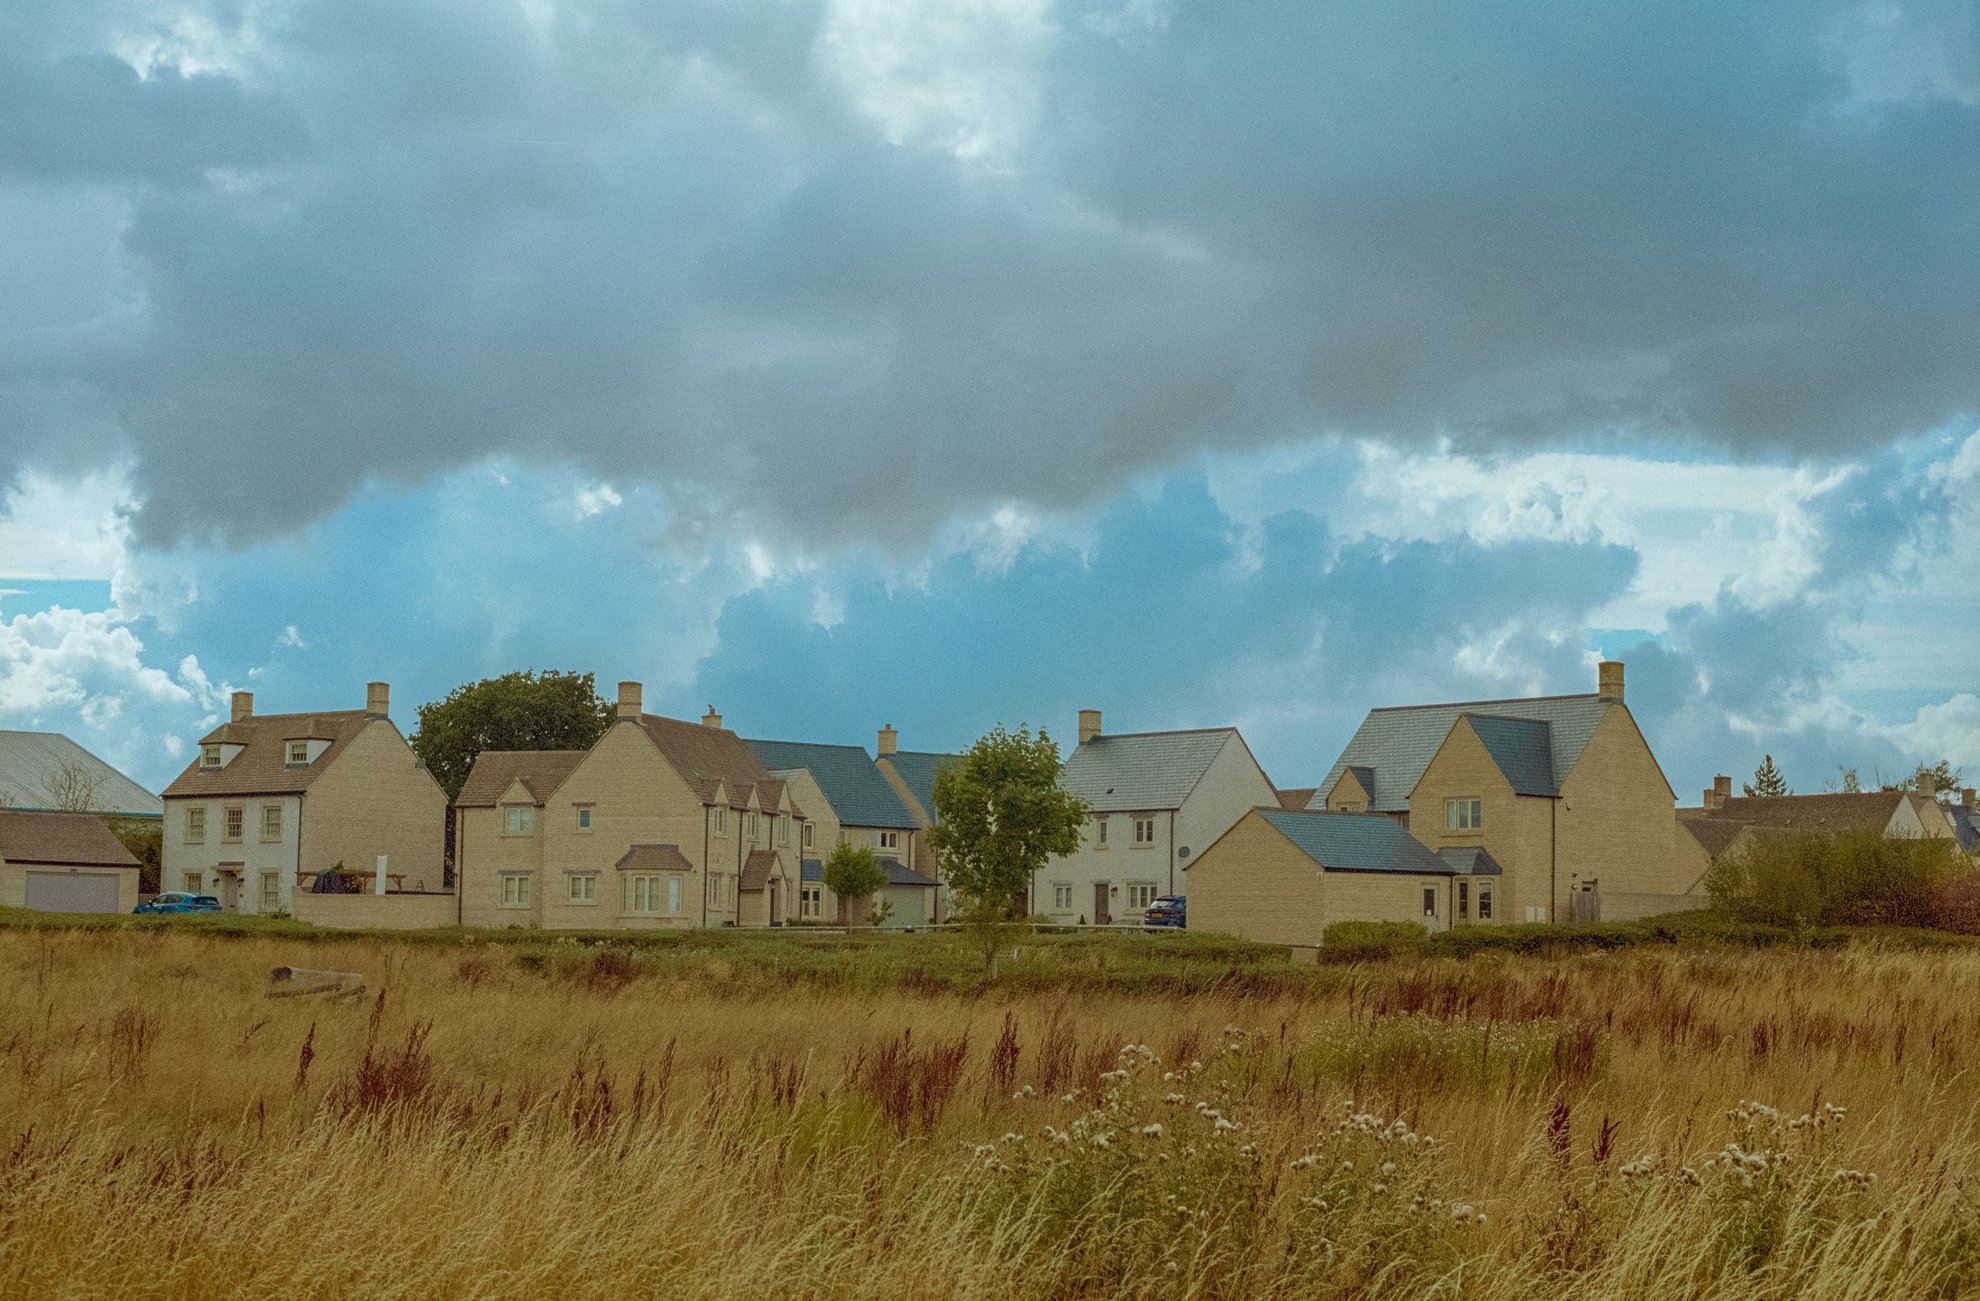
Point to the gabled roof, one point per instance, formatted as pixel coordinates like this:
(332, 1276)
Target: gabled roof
(1860, 811)
(31, 762)
(900, 874)
(1355, 842)
(1469, 860)
(859, 794)
(1137, 771)
(260, 767)
(654, 858)
(757, 869)
(705, 755)
(1296, 797)
(1713, 835)
(61, 839)
(540, 771)
(1398, 743)
(1961, 818)
(1522, 749)
(916, 769)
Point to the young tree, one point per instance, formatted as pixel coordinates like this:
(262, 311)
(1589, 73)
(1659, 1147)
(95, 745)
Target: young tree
(1944, 777)
(853, 874)
(1767, 780)
(73, 788)
(1003, 814)
(525, 710)
(1851, 783)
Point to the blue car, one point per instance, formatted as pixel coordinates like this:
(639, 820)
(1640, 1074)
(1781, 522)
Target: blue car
(178, 901)
(1169, 910)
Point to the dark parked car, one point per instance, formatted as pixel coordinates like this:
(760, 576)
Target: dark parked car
(177, 901)
(1169, 910)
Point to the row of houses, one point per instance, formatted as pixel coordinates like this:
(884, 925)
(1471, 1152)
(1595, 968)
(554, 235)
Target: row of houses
(1482, 812)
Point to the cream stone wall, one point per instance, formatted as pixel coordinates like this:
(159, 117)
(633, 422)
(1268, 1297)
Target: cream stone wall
(391, 912)
(375, 798)
(636, 798)
(13, 882)
(1382, 897)
(1513, 830)
(1618, 820)
(255, 855)
(483, 853)
(1254, 884)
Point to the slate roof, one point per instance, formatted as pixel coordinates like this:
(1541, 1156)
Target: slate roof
(1469, 860)
(1297, 797)
(705, 756)
(1961, 818)
(29, 761)
(540, 771)
(757, 869)
(260, 768)
(1713, 836)
(1398, 743)
(859, 794)
(899, 874)
(1863, 811)
(1522, 749)
(811, 869)
(654, 858)
(916, 769)
(61, 839)
(1355, 842)
(1137, 771)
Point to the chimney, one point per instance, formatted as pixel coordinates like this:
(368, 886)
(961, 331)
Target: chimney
(1722, 789)
(1966, 797)
(889, 741)
(243, 705)
(1609, 680)
(711, 718)
(1710, 801)
(1928, 785)
(629, 698)
(378, 699)
(1089, 725)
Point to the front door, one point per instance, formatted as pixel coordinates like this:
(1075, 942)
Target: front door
(230, 892)
(1100, 914)
(776, 904)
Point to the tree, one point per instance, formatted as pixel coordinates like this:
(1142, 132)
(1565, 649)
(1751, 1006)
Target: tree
(145, 838)
(1002, 815)
(1851, 783)
(73, 788)
(853, 873)
(525, 710)
(1767, 780)
(1944, 777)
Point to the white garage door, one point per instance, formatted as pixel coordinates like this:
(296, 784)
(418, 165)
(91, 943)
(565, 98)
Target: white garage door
(71, 892)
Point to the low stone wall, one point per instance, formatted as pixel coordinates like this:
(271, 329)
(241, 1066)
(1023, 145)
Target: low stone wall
(389, 912)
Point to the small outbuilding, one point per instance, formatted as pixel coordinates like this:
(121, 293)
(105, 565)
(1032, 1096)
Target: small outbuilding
(1282, 877)
(64, 862)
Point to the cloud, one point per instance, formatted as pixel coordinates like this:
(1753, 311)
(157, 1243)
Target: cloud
(848, 270)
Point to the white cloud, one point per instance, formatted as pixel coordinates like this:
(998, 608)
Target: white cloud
(597, 499)
(55, 527)
(291, 636)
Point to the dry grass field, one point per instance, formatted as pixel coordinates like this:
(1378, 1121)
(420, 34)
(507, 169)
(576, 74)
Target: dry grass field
(1670, 1122)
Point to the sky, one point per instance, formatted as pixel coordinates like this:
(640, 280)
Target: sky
(839, 363)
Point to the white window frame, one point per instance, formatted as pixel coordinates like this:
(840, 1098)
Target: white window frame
(296, 754)
(582, 816)
(643, 894)
(271, 892)
(1141, 895)
(783, 831)
(518, 820)
(1144, 831)
(229, 833)
(807, 835)
(192, 882)
(1100, 831)
(721, 821)
(1482, 901)
(271, 812)
(195, 824)
(209, 756)
(515, 889)
(1465, 813)
(755, 826)
(1430, 901)
(582, 888)
(1062, 896)
(887, 840)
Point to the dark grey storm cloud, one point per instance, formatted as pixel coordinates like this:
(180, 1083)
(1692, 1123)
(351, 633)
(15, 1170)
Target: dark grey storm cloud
(727, 247)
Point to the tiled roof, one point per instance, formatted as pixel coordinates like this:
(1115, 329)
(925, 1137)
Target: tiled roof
(1142, 770)
(1863, 811)
(859, 794)
(703, 755)
(1297, 797)
(540, 771)
(260, 768)
(31, 761)
(654, 858)
(1398, 743)
(1961, 818)
(1469, 860)
(1522, 750)
(1714, 836)
(916, 769)
(1355, 842)
(899, 874)
(757, 869)
(811, 869)
(61, 839)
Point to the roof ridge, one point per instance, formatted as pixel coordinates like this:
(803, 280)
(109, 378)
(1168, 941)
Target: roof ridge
(1501, 700)
(1171, 731)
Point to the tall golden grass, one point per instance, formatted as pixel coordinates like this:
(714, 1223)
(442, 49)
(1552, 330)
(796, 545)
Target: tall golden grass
(1503, 1127)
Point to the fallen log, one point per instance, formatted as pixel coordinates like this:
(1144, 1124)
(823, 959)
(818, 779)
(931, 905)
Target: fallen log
(297, 982)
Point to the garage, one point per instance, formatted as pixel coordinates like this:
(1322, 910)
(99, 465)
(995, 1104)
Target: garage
(72, 892)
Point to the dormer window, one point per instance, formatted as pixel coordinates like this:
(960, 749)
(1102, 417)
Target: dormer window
(209, 756)
(298, 754)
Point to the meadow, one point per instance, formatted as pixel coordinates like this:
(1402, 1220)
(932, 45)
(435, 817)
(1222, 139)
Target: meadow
(555, 1118)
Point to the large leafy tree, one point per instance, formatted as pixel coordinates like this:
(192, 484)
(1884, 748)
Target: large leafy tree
(1767, 780)
(524, 710)
(1003, 815)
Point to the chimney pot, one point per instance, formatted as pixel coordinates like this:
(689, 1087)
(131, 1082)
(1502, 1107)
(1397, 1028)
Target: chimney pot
(1928, 785)
(1089, 725)
(1609, 680)
(378, 699)
(888, 742)
(629, 700)
(711, 718)
(243, 705)
(1722, 786)
(1710, 801)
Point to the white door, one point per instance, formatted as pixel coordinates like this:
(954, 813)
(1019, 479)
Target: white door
(71, 892)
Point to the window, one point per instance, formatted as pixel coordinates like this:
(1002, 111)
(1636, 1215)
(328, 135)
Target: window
(721, 821)
(1100, 832)
(515, 890)
(1464, 815)
(752, 828)
(673, 894)
(807, 835)
(1061, 897)
(298, 753)
(1484, 902)
(584, 888)
(231, 821)
(196, 825)
(1429, 901)
(518, 820)
(811, 901)
(271, 892)
(642, 894)
(1140, 895)
(584, 817)
(783, 831)
(209, 756)
(1464, 900)
(271, 822)
(1144, 832)
(886, 840)
(190, 882)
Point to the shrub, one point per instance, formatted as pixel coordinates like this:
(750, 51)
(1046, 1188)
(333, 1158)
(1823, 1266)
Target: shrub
(1349, 933)
(1851, 878)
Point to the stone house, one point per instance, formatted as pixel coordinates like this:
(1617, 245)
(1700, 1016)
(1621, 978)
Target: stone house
(1157, 798)
(1722, 820)
(911, 774)
(273, 800)
(64, 862)
(662, 823)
